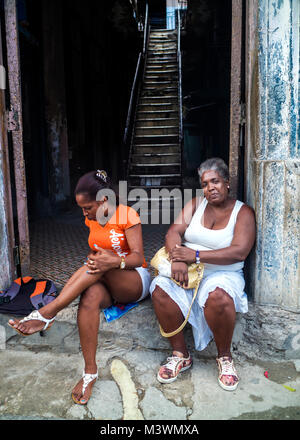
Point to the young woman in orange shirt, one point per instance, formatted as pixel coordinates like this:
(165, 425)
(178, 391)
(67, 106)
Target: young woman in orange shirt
(116, 271)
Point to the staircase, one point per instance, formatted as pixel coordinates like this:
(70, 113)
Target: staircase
(155, 159)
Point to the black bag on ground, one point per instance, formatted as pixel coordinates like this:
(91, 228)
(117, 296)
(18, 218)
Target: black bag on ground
(25, 295)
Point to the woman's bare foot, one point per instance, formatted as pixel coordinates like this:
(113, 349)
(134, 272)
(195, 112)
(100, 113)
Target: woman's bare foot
(81, 395)
(31, 326)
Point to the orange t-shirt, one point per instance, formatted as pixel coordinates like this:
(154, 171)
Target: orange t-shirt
(112, 235)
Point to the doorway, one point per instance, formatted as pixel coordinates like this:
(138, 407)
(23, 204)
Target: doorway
(93, 65)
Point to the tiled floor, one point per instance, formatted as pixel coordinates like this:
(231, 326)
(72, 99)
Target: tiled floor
(59, 245)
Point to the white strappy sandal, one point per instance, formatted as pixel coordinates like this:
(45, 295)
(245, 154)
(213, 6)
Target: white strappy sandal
(87, 378)
(35, 315)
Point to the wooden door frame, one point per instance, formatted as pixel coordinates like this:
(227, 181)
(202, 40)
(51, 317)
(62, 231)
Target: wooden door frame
(15, 126)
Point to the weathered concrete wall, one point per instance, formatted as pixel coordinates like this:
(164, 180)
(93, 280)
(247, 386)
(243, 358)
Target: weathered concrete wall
(5, 276)
(272, 326)
(273, 151)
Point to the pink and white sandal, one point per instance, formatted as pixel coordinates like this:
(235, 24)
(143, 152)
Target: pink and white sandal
(227, 369)
(173, 366)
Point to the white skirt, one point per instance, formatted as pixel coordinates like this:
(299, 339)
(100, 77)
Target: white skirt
(232, 282)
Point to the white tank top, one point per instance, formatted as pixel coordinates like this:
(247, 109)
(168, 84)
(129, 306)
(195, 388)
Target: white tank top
(198, 237)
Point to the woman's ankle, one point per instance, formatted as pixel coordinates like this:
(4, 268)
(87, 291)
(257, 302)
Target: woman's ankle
(180, 353)
(91, 368)
(46, 313)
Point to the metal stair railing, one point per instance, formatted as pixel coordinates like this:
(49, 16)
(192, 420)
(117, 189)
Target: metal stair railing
(135, 93)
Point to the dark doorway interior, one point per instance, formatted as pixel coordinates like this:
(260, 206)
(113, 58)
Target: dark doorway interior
(206, 52)
(98, 49)
(93, 61)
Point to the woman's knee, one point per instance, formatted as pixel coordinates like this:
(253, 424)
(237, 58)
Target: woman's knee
(95, 297)
(219, 299)
(159, 297)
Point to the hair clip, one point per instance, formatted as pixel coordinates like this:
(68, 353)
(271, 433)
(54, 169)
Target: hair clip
(102, 175)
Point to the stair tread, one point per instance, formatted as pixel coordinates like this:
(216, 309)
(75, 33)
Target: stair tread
(160, 126)
(156, 119)
(155, 164)
(156, 145)
(147, 76)
(155, 135)
(154, 154)
(158, 111)
(163, 62)
(160, 97)
(155, 85)
(155, 175)
(156, 104)
(154, 186)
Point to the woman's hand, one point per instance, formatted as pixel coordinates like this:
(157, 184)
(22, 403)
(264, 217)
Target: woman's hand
(182, 253)
(179, 272)
(102, 261)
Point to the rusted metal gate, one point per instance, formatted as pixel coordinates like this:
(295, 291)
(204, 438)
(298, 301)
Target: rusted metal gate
(236, 105)
(15, 127)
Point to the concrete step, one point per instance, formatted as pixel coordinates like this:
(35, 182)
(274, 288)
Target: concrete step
(159, 187)
(152, 180)
(154, 37)
(155, 92)
(156, 122)
(161, 76)
(164, 90)
(161, 82)
(163, 130)
(162, 46)
(163, 33)
(157, 114)
(163, 36)
(162, 60)
(161, 66)
(156, 158)
(153, 42)
(161, 73)
(163, 99)
(156, 148)
(156, 139)
(157, 169)
(158, 106)
(161, 53)
(164, 86)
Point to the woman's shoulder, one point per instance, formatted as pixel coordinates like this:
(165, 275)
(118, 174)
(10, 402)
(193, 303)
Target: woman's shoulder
(245, 210)
(127, 216)
(194, 203)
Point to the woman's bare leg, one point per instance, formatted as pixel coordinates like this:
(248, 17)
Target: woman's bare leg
(170, 318)
(81, 280)
(125, 286)
(220, 314)
(92, 300)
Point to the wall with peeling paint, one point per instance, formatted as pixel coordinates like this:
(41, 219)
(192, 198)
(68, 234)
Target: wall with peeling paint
(273, 168)
(4, 257)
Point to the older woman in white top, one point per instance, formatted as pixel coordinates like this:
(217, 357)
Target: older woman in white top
(220, 232)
